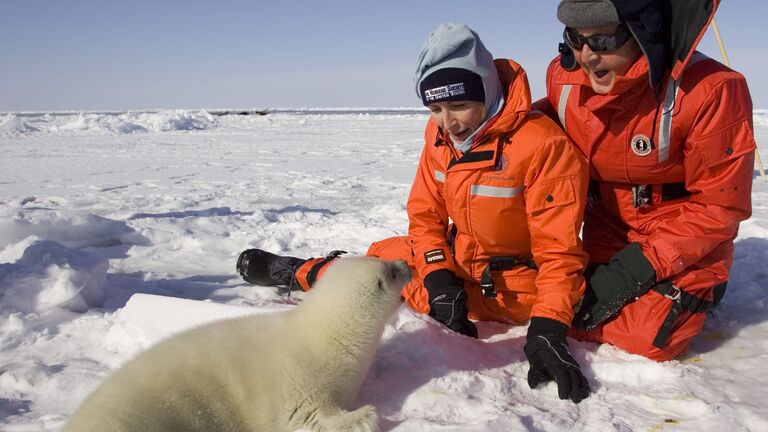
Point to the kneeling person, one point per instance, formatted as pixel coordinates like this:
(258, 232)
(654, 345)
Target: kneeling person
(514, 188)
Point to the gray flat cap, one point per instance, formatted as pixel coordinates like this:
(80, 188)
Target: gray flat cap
(587, 13)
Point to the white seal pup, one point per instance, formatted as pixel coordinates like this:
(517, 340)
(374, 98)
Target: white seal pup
(299, 369)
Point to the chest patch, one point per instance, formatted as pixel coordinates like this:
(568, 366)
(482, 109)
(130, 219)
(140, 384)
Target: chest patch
(641, 145)
(434, 256)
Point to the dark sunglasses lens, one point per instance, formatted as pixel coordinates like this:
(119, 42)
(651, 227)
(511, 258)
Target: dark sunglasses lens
(602, 43)
(575, 40)
(599, 43)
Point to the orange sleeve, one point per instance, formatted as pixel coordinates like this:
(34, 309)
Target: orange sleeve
(719, 166)
(555, 198)
(428, 214)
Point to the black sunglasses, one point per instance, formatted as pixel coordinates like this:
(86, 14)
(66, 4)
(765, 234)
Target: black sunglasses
(597, 43)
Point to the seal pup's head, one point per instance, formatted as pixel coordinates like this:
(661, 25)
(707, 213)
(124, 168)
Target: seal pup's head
(360, 285)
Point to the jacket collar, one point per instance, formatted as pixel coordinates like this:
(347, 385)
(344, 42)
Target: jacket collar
(635, 80)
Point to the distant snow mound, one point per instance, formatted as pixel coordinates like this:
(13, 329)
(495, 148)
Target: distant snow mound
(50, 275)
(13, 125)
(760, 117)
(132, 122)
(72, 230)
(176, 120)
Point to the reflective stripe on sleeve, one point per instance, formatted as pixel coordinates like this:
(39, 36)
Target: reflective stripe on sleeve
(440, 176)
(670, 97)
(666, 120)
(495, 192)
(563, 102)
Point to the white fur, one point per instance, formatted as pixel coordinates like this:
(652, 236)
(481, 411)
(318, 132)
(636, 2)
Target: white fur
(299, 369)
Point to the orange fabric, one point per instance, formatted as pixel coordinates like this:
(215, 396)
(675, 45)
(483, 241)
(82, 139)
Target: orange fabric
(636, 326)
(303, 271)
(507, 307)
(711, 150)
(522, 193)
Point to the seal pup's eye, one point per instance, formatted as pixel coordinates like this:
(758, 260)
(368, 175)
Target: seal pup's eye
(381, 285)
(393, 273)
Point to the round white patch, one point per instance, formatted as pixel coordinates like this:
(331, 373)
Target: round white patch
(641, 145)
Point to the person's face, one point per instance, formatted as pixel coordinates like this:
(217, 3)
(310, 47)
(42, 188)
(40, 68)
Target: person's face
(458, 118)
(602, 68)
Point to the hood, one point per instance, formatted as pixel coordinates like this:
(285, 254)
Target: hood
(517, 97)
(666, 30)
(517, 102)
(456, 46)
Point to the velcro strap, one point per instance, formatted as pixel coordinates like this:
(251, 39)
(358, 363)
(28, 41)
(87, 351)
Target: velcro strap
(681, 300)
(673, 191)
(669, 192)
(308, 273)
(499, 263)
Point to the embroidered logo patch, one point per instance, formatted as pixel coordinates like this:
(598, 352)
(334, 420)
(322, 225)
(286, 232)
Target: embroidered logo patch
(434, 256)
(443, 92)
(641, 145)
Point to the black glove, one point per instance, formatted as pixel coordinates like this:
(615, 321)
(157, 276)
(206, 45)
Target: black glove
(612, 286)
(548, 355)
(448, 302)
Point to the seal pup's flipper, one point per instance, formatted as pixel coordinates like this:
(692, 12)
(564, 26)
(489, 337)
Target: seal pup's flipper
(363, 419)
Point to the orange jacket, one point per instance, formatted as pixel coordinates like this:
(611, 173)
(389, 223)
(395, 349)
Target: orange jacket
(519, 191)
(705, 148)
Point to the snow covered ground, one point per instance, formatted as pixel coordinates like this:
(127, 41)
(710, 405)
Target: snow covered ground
(97, 207)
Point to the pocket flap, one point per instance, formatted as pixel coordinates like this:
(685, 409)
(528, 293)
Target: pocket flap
(554, 193)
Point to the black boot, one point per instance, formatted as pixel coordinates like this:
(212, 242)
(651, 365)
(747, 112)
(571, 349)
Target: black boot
(263, 268)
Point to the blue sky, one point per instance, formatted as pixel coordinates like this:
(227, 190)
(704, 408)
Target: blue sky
(138, 54)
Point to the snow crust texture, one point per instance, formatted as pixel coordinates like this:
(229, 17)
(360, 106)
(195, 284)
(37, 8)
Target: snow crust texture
(98, 207)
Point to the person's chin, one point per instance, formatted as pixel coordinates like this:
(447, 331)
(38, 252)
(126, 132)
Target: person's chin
(462, 136)
(602, 85)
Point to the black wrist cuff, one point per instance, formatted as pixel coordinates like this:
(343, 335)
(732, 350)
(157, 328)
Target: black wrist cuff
(546, 326)
(442, 282)
(633, 260)
(439, 279)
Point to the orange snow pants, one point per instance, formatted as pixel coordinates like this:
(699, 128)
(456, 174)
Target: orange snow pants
(638, 323)
(508, 307)
(633, 330)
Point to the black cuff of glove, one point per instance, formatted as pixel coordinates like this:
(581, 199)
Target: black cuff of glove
(546, 326)
(636, 264)
(442, 281)
(628, 275)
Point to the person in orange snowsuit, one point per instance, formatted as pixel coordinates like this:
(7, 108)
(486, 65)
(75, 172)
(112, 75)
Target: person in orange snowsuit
(495, 210)
(669, 138)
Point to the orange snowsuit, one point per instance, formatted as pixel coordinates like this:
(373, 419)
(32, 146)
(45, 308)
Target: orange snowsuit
(520, 192)
(681, 198)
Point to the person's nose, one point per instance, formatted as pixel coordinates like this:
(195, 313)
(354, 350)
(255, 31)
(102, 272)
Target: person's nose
(449, 120)
(587, 54)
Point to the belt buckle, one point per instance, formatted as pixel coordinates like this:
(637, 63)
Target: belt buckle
(489, 290)
(675, 296)
(641, 196)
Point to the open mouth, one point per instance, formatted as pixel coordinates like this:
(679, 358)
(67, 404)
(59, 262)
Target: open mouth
(462, 135)
(600, 74)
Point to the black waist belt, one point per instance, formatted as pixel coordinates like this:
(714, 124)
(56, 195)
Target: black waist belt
(641, 194)
(499, 263)
(681, 300)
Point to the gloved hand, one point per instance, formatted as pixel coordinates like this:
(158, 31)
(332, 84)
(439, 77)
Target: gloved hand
(448, 302)
(626, 277)
(548, 355)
